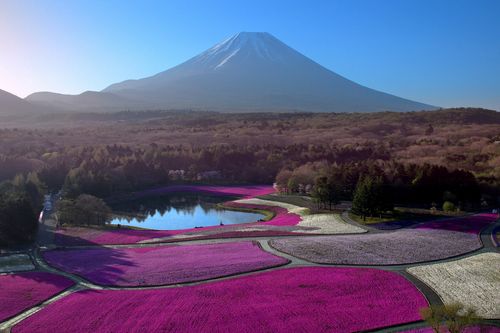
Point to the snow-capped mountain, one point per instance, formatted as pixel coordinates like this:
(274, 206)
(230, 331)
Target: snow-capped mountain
(250, 71)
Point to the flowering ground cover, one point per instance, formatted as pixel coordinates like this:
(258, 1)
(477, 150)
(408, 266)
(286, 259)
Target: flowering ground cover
(469, 224)
(285, 215)
(70, 236)
(306, 299)
(88, 236)
(328, 224)
(293, 215)
(473, 282)
(282, 217)
(21, 291)
(390, 248)
(244, 191)
(162, 264)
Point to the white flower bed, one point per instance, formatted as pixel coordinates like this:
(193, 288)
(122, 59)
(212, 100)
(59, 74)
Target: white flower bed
(323, 223)
(473, 282)
(328, 224)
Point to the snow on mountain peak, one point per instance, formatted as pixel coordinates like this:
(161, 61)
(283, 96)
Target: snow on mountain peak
(260, 45)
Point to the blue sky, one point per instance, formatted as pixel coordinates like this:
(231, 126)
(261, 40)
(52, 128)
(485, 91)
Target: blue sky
(441, 52)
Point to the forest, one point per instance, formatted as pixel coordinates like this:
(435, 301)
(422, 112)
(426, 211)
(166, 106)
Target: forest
(420, 158)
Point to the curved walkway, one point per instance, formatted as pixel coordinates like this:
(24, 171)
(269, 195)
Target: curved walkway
(83, 284)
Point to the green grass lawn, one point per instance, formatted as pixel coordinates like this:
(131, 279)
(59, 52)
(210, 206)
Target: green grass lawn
(372, 220)
(402, 213)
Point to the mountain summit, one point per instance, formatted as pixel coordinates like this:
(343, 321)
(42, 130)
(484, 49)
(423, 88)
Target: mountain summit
(250, 71)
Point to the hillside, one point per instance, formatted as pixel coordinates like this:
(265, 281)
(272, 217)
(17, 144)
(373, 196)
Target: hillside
(248, 72)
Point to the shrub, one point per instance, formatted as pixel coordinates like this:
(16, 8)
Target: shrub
(453, 316)
(449, 206)
(86, 209)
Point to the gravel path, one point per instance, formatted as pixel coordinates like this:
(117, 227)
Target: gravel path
(299, 298)
(472, 281)
(15, 263)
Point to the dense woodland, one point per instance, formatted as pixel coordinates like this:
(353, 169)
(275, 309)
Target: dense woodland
(417, 157)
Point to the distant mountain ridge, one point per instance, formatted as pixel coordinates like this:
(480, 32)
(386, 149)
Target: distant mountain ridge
(250, 71)
(10, 104)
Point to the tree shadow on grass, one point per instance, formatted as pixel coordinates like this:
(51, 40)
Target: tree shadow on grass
(467, 224)
(98, 264)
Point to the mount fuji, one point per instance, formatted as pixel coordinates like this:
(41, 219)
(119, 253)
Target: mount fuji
(250, 71)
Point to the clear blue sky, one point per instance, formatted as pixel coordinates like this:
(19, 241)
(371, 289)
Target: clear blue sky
(442, 52)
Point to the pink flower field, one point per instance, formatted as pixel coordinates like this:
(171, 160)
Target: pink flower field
(71, 236)
(306, 299)
(19, 292)
(281, 216)
(162, 265)
(243, 191)
(470, 224)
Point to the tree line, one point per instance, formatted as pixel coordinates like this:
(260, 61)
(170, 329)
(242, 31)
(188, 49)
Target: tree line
(375, 186)
(20, 205)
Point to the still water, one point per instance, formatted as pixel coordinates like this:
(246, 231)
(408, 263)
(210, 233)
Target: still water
(178, 211)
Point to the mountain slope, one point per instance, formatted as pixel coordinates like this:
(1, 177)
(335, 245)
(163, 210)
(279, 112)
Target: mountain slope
(246, 72)
(86, 101)
(256, 71)
(12, 105)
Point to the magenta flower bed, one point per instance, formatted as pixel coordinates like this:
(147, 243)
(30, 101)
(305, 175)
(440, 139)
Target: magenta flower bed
(93, 236)
(470, 224)
(306, 299)
(244, 191)
(71, 236)
(282, 216)
(162, 264)
(85, 236)
(21, 291)
(252, 233)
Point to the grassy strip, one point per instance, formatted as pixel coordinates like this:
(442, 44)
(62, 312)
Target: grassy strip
(291, 199)
(370, 220)
(104, 227)
(399, 214)
(268, 215)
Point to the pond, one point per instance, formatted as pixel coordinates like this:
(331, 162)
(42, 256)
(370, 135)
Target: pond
(179, 211)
